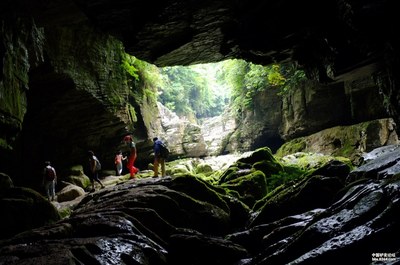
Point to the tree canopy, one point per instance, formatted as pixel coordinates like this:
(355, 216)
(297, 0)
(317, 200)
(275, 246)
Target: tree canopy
(206, 90)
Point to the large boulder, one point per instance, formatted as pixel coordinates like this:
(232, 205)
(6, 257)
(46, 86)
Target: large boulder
(70, 193)
(5, 182)
(23, 209)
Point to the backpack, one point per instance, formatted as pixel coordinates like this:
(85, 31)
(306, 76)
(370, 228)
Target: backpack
(50, 174)
(98, 164)
(164, 151)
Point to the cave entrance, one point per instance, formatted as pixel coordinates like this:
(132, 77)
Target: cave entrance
(247, 92)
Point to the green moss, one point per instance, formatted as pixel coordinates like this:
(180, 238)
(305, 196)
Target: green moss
(65, 212)
(229, 174)
(291, 147)
(250, 187)
(258, 155)
(199, 189)
(132, 113)
(4, 145)
(268, 167)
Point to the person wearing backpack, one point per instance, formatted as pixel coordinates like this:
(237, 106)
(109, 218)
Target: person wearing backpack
(94, 168)
(49, 180)
(128, 139)
(159, 156)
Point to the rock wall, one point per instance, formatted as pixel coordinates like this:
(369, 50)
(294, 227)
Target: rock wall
(348, 141)
(185, 139)
(259, 127)
(21, 47)
(217, 131)
(308, 109)
(78, 99)
(312, 107)
(62, 92)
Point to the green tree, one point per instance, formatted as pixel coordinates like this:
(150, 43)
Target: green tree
(247, 80)
(188, 91)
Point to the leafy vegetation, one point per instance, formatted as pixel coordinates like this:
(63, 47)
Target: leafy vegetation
(145, 78)
(206, 90)
(247, 80)
(193, 91)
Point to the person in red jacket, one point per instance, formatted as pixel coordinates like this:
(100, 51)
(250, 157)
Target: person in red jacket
(132, 156)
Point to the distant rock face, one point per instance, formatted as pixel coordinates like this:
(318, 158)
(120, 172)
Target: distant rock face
(259, 127)
(184, 139)
(349, 141)
(311, 107)
(217, 131)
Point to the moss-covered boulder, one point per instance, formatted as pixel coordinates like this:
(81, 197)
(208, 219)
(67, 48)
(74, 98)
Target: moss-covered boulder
(260, 154)
(23, 209)
(5, 182)
(70, 193)
(349, 141)
(199, 190)
(204, 168)
(297, 197)
(250, 187)
(77, 177)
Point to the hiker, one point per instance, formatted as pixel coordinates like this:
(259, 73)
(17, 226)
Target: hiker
(94, 168)
(132, 156)
(49, 180)
(118, 162)
(159, 157)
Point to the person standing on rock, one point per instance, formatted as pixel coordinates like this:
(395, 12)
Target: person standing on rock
(159, 156)
(118, 162)
(132, 156)
(49, 180)
(94, 168)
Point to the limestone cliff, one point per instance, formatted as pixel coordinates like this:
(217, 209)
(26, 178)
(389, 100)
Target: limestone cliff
(20, 49)
(63, 92)
(311, 107)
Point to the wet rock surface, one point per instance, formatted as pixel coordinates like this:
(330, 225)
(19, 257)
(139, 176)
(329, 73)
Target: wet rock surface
(185, 220)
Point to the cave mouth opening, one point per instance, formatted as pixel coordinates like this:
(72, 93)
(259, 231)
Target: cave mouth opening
(202, 91)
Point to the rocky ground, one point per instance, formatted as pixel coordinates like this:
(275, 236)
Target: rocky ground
(331, 215)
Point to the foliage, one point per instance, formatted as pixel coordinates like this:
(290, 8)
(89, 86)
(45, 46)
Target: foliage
(289, 173)
(145, 78)
(206, 90)
(293, 77)
(128, 65)
(247, 80)
(189, 91)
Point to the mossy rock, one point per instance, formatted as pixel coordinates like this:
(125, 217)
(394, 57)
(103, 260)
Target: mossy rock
(5, 182)
(76, 170)
(23, 209)
(199, 190)
(229, 174)
(197, 214)
(258, 155)
(203, 168)
(259, 160)
(82, 181)
(291, 147)
(268, 167)
(250, 187)
(179, 169)
(297, 197)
